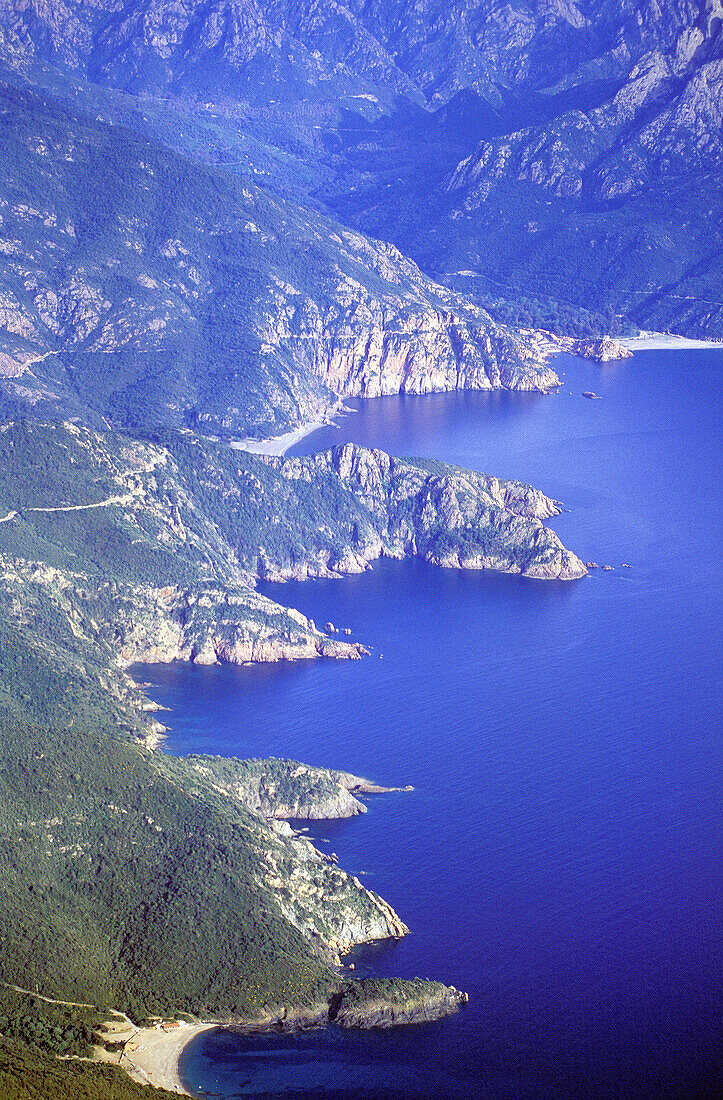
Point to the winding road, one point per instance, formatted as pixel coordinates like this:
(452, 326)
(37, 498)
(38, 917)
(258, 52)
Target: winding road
(125, 498)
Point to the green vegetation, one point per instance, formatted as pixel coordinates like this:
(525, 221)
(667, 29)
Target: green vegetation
(199, 514)
(29, 1074)
(525, 311)
(392, 991)
(280, 788)
(170, 292)
(118, 887)
(56, 1029)
(129, 880)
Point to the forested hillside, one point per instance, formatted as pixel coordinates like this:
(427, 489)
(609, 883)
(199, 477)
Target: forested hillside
(218, 220)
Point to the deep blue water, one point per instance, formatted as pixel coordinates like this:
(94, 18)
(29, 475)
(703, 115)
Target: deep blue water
(559, 858)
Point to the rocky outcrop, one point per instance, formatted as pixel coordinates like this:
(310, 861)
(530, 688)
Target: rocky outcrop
(451, 517)
(361, 1005)
(369, 1004)
(667, 111)
(216, 626)
(286, 789)
(158, 625)
(330, 907)
(602, 350)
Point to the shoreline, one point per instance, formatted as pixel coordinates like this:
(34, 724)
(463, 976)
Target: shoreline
(665, 341)
(157, 1057)
(278, 445)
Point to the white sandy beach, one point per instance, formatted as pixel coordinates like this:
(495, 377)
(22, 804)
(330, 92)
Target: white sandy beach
(664, 341)
(155, 1060)
(278, 444)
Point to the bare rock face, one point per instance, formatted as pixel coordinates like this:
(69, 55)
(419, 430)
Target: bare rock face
(287, 790)
(329, 906)
(369, 1003)
(602, 350)
(218, 627)
(358, 345)
(666, 115)
(451, 517)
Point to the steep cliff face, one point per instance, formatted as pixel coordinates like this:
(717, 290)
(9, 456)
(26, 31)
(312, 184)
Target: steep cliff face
(417, 337)
(178, 535)
(451, 517)
(666, 115)
(195, 299)
(326, 904)
(388, 1003)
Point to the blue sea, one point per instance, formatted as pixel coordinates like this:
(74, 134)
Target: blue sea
(559, 857)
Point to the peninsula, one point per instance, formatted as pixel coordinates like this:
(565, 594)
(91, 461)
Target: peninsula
(127, 550)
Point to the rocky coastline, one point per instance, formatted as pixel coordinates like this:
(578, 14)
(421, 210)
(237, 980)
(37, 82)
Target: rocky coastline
(152, 1055)
(361, 1005)
(286, 790)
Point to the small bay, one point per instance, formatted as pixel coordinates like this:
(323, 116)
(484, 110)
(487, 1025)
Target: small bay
(559, 856)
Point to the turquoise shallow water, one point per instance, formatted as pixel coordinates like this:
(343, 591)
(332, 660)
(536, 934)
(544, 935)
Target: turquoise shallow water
(559, 857)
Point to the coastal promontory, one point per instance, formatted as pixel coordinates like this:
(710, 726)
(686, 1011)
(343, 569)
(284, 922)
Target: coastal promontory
(153, 550)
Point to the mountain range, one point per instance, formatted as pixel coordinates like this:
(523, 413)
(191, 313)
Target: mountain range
(232, 215)
(218, 220)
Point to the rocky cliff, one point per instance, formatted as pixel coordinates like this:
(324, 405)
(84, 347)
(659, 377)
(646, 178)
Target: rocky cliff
(361, 1005)
(451, 517)
(667, 112)
(158, 547)
(197, 299)
(370, 1003)
(329, 907)
(286, 789)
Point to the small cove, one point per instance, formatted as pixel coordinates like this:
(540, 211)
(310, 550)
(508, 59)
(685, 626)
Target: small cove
(558, 858)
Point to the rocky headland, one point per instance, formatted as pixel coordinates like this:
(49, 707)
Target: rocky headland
(287, 789)
(448, 516)
(194, 525)
(602, 350)
(363, 1004)
(391, 1002)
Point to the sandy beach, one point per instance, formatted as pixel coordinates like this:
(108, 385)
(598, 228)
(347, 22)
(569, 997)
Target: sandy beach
(278, 444)
(664, 341)
(151, 1055)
